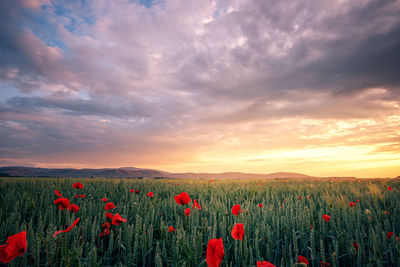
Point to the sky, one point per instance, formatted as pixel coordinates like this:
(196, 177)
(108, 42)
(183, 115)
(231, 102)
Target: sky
(202, 86)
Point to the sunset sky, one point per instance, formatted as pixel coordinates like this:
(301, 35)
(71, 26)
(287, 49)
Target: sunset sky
(202, 86)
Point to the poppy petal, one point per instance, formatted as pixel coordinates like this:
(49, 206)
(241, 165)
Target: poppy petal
(68, 229)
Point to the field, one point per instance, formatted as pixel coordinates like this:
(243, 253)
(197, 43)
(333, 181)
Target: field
(289, 224)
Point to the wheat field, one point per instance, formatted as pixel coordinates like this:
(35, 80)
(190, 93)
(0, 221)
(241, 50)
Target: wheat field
(288, 223)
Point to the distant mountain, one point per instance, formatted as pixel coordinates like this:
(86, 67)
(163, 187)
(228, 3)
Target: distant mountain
(15, 171)
(240, 175)
(79, 173)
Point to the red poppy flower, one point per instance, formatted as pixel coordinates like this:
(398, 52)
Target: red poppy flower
(109, 206)
(137, 191)
(68, 229)
(355, 245)
(104, 199)
(389, 188)
(77, 185)
(182, 199)
(236, 209)
(327, 218)
(302, 259)
(389, 235)
(196, 204)
(57, 193)
(215, 252)
(109, 215)
(106, 225)
(212, 180)
(358, 200)
(299, 197)
(150, 194)
(62, 202)
(187, 211)
(83, 196)
(131, 190)
(73, 208)
(77, 196)
(238, 231)
(322, 264)
(352, 204)
(117, 219)
(16, 246)
(171, 229)
(105, 232)
(260, 205)
(265, 264)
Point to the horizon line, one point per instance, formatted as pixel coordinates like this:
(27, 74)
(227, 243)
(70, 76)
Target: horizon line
(210, 173)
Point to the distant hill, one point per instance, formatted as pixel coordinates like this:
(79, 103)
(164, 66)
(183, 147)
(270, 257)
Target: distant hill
(79, 173)
(240, 175)
(128, 172)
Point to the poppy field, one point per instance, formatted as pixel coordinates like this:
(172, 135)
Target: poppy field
(147, 222)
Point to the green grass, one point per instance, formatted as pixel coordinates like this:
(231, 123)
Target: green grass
(273, 233)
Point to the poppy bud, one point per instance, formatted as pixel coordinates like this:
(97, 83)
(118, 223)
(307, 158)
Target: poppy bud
(389, 235)
(187, 211)
(327, 218)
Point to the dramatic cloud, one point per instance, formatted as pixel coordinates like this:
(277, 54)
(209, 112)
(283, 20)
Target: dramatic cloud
(254, 86)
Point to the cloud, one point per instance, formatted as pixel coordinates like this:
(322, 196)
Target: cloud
(378, 102)
(196, 79)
